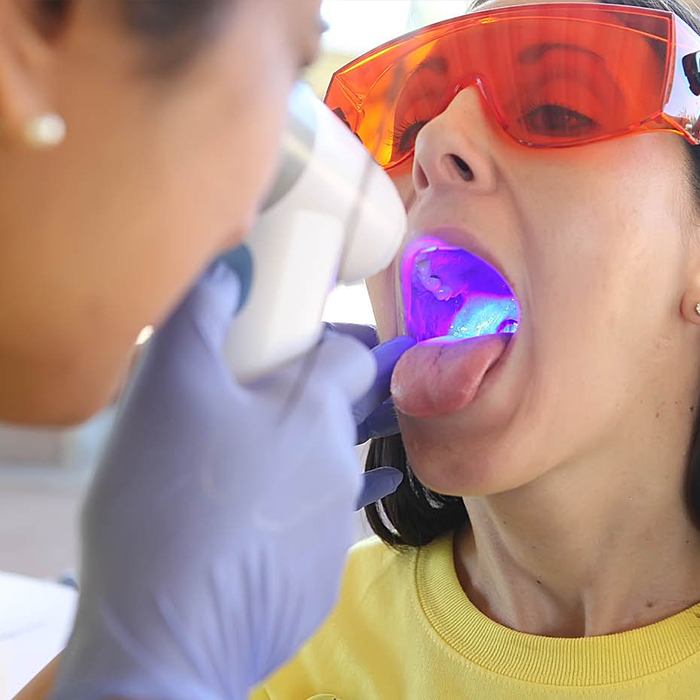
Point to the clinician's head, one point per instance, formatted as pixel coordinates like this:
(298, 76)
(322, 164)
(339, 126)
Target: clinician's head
(600, 241)
(173, 110)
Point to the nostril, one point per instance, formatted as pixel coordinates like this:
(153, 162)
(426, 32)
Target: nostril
(465, 172)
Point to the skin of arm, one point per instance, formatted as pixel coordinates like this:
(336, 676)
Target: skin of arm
(41, 685)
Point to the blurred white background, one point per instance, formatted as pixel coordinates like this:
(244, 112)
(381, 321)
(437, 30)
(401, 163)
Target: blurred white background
(355, 26)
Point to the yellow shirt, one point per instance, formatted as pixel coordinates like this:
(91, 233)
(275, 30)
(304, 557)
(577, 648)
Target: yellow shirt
(404, 629)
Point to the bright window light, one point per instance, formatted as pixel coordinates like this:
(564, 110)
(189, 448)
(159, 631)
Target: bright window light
(355, 26)
(349, 304)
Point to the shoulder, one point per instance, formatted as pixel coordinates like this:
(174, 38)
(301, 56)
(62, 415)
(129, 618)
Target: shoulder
(374, 556)
(374, 570)
(377, 583)
(377, 614)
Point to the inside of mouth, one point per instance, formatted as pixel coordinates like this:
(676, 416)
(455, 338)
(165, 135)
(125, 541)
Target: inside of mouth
(452, 294)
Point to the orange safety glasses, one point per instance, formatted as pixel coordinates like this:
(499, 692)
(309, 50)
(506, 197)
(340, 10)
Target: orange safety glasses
(552, 75)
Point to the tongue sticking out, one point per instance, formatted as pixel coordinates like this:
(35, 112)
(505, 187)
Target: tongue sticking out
(463, 313)
(438, 376)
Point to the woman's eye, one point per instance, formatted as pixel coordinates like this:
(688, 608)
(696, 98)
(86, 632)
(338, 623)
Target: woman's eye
(404, 137)
(557, 121)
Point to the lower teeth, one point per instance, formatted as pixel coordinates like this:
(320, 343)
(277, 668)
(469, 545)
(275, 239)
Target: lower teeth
(483, 315)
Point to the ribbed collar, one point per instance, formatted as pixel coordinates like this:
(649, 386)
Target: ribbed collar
(581, 661)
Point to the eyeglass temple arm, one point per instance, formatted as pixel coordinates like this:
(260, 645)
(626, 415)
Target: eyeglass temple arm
(691, 66)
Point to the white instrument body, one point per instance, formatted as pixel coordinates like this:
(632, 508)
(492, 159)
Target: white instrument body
(334, 217)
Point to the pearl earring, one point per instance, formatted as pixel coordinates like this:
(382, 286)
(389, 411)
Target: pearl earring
(45, 131)
(697, 308)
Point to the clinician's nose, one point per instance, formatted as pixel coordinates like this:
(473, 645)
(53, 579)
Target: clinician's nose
(455, 148)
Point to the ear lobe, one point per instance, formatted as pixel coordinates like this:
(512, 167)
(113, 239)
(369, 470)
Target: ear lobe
(690, 304)
(25, 64)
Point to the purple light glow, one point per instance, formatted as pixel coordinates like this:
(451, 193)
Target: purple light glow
(451, 293)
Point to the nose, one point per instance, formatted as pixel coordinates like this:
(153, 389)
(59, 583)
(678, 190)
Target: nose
(454, 148)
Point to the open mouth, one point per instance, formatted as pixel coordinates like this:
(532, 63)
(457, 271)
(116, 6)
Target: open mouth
(452, 294)
(463, 314)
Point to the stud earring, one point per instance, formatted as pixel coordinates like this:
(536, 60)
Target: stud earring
(45, 131)
(697, 308)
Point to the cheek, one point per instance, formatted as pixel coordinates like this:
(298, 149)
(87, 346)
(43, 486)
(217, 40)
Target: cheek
(383, 288)
(382, 294)
(241, 127)
(610, 281)
(402, 178)
(181, 175)
(603, 286)
(215, 152)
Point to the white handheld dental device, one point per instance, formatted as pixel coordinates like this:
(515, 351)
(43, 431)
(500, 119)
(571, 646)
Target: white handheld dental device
(333, 216)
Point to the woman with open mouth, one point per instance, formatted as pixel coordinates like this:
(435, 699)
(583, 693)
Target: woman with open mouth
(545, 542)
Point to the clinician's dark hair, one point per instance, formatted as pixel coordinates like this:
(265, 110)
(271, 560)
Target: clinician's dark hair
(171, 30)
(415, 515)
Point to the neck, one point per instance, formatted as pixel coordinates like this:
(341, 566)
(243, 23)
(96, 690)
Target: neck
(594, 547)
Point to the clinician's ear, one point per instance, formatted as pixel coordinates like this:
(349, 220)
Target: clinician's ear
(28, 30)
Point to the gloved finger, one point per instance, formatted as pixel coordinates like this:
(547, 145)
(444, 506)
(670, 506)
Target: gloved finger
(346, 362)
(382, 422)
(367, 335)
(376, 484)
(386, 356)
(206, 313)
(240, 262)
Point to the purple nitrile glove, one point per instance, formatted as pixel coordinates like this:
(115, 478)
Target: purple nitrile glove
(374, 413)
(215, 532)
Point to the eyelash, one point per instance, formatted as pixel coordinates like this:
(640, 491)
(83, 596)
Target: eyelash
(400, 131)
(533, 106)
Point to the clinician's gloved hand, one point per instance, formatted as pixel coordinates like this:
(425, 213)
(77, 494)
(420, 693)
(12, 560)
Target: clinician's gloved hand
(215, 532)
(374, 413)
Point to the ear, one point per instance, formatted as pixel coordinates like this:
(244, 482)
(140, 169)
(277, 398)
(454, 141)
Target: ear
(26, 64)
(690, 304)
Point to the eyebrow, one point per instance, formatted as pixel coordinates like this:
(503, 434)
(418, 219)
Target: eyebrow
(435, 64)
(537, 51)
(534, 53)
(531, 54)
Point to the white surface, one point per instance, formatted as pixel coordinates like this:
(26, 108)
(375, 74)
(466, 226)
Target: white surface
(349, 304)
(35, 621)
(40, 498)
(356, 26)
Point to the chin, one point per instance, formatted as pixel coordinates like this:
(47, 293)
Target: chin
(42, 396)
(457, 465)
(39, 408)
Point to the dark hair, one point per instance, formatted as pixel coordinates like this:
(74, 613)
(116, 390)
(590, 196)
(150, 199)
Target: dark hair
(171, 30)
(415, 515)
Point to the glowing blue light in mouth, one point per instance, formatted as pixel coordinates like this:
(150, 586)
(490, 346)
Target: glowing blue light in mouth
(449, 292)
